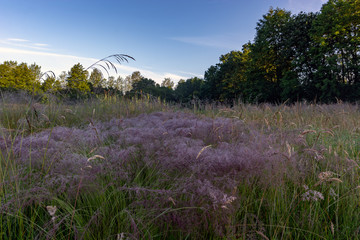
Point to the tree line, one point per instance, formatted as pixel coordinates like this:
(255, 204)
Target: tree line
(293, 57)
(79, 83)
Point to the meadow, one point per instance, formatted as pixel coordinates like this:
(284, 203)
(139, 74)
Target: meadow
(115, 168)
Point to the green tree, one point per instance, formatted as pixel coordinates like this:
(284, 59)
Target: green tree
(168, 83)
(269, 61)
(110, 83)
(298, 80)
(97, 80)
(20, 76)
(233, 74)
(190, 89)
(77, 81)
(142, 86)
(337, 35)
(51, 84)
(120, 84)
(212, 83)
(136, 76)
(226, 81)
(127, 84)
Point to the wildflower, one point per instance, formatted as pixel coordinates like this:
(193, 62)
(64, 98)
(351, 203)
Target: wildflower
(52, 210)
(333, 193)
(227, 200)
(121, 236)
(312, 195)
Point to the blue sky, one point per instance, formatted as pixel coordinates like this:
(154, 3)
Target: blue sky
(168, 38)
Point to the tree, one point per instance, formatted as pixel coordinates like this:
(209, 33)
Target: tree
(142, 86)
(119, 84)
(77, 82)
(51, 84)
(232, 71)
(136, 76)
(212, 83)
(336, 32)
(168, 83)
(269, 60)
(298, 81)
(226, 80)
(190, 89)
(127, 84)
(35, 70)
(97, 80)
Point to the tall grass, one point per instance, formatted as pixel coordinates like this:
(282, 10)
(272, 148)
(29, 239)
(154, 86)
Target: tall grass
(142, 169)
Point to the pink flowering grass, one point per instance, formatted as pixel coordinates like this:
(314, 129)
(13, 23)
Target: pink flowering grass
(177, 175)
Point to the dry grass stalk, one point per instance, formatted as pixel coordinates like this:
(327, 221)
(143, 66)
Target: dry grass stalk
(262, 235)
(203, 149)
(327, 177)
(95, 157)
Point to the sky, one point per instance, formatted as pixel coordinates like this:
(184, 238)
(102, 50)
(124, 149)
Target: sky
(178, 39)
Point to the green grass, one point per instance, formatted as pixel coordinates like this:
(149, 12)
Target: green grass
(262, 210)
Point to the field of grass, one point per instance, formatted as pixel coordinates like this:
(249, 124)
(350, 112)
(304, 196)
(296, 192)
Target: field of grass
(142, 169)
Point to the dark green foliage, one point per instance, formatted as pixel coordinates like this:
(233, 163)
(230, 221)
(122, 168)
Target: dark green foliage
(189, 90)
(142, 86)
(148, 87)
(308, 56)
(297, 82)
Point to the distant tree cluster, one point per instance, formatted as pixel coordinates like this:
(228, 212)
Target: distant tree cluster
(306, 56)
(79, 84)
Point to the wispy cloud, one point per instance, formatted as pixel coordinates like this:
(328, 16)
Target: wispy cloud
(17, 40)
(41, 44)
(61, 62)
(226, 41)
(24, 43)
